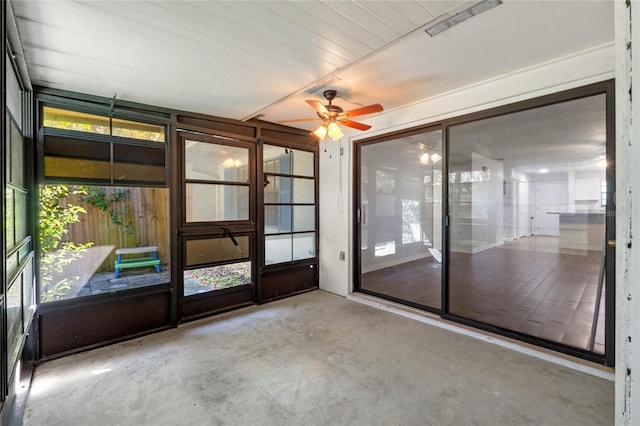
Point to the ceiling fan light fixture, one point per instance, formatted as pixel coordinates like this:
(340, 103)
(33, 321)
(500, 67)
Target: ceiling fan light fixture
(321, 131)
(432, 159)
(334, 131)
(333, 116)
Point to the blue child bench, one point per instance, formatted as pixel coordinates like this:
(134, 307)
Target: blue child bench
(137, 262)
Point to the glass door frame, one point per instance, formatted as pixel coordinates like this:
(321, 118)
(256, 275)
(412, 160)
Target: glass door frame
(204, 304)
(283, 279)
(605, 87)
(357, 217)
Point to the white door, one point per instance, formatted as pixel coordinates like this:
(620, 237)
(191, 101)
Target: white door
(551, 197)
(522, 210)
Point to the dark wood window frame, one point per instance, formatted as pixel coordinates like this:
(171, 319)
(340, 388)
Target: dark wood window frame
(282, 279)
(159, 307)
(203, 304)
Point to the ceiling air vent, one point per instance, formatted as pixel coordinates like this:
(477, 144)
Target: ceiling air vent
(314, 89)
(462, 16)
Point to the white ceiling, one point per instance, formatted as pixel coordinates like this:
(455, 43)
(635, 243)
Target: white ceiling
(238, 59)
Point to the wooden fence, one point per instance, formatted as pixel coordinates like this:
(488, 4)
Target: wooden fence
(139, 218)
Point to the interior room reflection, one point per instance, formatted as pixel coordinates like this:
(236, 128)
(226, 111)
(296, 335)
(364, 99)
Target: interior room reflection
(401, 217)
(527, 200)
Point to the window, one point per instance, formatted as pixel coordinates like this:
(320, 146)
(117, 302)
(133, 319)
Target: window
(19, 252)
(289, 204)
(216, 264)
(216, 182)
(88, 148)
(57, 118)
(104, 211)
(83, 231)
(217, 199)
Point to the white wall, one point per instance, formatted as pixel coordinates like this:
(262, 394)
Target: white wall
(336, 192)
(627, 34)
(335, 217)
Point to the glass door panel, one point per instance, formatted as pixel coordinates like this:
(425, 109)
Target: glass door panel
(401, 218)
(218, 227)
(527, 202)
(289, 205)
(216, 264)
(288, 258)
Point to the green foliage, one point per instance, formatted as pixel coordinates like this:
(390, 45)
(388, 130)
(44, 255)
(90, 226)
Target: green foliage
(55, 216)
(113, 204)
(55, 285)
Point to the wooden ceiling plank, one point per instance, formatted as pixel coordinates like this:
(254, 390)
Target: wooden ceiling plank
(437, 8)
(390, 16)
(339, 27)
(62, 40)
(360, 13)
(265, 39)
(299, 29)
(414, 12)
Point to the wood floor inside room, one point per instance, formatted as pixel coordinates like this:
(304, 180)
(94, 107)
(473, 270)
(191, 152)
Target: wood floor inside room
(529, 286)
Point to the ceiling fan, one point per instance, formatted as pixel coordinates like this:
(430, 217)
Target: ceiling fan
(333, 116)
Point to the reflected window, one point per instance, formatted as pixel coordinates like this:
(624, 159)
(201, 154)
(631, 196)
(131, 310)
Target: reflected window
(385, 248)
(213, 162)
(401, 217)
(411, 229)
(212, 202)
(216, 182)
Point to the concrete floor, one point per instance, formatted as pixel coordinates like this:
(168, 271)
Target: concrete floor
(313, 359)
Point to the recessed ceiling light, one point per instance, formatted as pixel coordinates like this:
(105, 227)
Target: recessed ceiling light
(543, 171)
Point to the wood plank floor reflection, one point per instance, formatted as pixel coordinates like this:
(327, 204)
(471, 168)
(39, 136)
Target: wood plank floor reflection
(545, 293)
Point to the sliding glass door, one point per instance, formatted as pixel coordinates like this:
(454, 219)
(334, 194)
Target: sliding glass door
(527, 209)
(400, 212)
(524, 243)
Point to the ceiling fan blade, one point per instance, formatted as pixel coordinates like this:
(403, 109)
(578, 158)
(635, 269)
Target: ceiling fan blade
(364, 110)
(354, 124)
(317, 105)
(298, 120)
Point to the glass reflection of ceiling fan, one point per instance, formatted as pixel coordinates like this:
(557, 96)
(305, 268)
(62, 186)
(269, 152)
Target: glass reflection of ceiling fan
(333, 117)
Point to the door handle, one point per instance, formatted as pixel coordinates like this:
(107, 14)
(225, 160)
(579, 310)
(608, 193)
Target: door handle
(227, 233)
